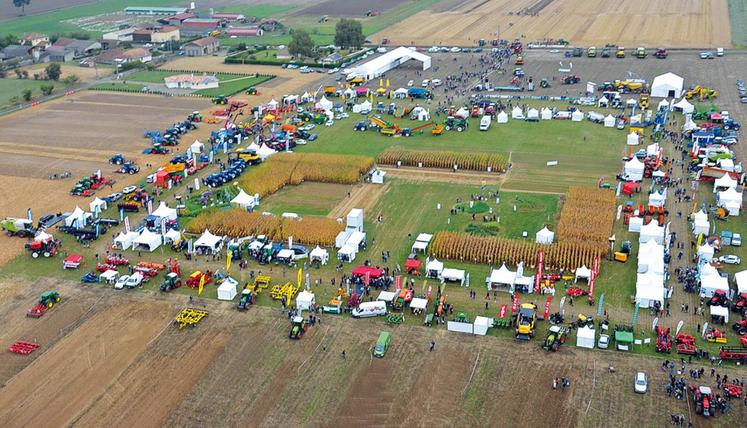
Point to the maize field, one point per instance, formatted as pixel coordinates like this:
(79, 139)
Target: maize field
(436, 159)
(238, 223)
(587, 216)
(494, 251)
(285, 168)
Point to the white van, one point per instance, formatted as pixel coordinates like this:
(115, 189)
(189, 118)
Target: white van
(719, 51)
(436, 82)
(370, 309)
(485, 123)
(426, 82)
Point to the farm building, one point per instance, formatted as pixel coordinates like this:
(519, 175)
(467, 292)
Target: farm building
(120, 56)
(79, 48)
(245, 32)
(201, 47)
(190, 81)
(177, 19)
(201, 23)
(667, 85)
(119, 35)
(60, 54)
(389, 61)
(156, 34)
(229, 17)
(34, 39)
(145, 10)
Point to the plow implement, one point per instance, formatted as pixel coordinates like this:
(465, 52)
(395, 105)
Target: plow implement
(37, 311)
(190, 317)
(395, 319)
(23, 347)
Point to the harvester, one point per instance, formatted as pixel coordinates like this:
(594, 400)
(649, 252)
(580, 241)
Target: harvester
(298, 328)
(555, 337)
(47, 300)
(525, 321)
(22, 227)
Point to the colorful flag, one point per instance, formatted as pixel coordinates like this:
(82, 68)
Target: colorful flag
(502, 313)
(300, 276)
(202, 284)
(228, 259)
(515, 304)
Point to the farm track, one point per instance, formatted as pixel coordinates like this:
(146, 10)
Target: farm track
(432, 174)
(361, 196)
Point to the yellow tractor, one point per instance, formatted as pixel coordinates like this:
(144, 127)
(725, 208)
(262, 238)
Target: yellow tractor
(525, 321)
(701, 93)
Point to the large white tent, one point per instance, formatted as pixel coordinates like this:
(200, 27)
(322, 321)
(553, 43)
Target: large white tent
(585, 337)
(634, 169)
(711, 280)
(720, 312)
(124, 241)
(243, 200)
(171, 236)
(164, 211)
(147, 241)
(705, 252)
(305, 300)
(208, 243)
(454, 275)
(501, 278)
(701, 223)
(649, 289)
(390, 60)
(741, 279)
(657, 198)
(324, 104)
(731, 200)
(364, 107)
(652, 231)
(533, 114)
(667, 85)
(723, 183)
(544, 236)
(320, 255)
(227, 289)
(684, 106)
(582, 273)
(78, 218)
(433, 268)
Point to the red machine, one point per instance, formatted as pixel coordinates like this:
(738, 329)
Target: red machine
(117, 261)
(732, 390)
(72, 261)
(412, 267)
(46, 248)
(703, 398)
(741, 304)
(719, 299)
(740, 327)
(686, 344)
(716, 335)
(23, 347)
(733, 353)
(576, 292)
(194, 280)
(103, 267)
(663, 341)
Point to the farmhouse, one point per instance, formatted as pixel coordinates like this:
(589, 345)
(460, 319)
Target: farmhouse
(389, 61)
(156, 34)
(190, 81)
(124, 35)
(145, 10)
(121, 56)
(35, 39)
(201, 47)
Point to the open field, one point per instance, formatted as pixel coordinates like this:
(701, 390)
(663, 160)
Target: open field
(229, 83)
(627, 23)
(185, 370)
(296, 199)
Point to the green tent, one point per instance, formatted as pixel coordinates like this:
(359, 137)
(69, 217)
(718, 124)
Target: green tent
(624, 340)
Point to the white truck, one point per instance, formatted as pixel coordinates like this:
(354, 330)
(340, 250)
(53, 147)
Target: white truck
(370, 309)
(485, 123)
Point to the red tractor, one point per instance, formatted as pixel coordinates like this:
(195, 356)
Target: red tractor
(663, 341)
(719, 299)
(686, 344)
(703, 398)
(740, 327)
(741, 304)
(46, 248)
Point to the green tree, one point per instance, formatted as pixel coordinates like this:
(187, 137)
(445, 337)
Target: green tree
(22, 4)
(14, 100)
(8, 39)
(26, 95)
(301, 44)
(53, 71)
(71, 80)
(349, 33)
(46, 89)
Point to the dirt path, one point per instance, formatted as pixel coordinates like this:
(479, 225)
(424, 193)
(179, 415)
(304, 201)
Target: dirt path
(445, 175)
(361, 196)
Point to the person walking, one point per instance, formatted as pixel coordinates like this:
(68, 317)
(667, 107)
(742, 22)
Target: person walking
(433, 345)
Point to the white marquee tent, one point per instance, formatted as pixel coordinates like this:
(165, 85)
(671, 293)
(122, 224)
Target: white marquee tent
(684, 106)
(634, 169)
(434, 268)
(502, 278)
(603, 102)
(363, 107)
(731, 200)
(546, 113)
(544, 236)
(701, 223)
(164, 211)
(305, 300)
(633, 139)
(517, 113)
(723, 183)
(208, 243)
(78, 218)
(324, 104)
(577, 116)
(501, 117)
(649, 289)
(705, 252)
(711, 280)
(582, 273)
(454, 275)
(667, 85)
(663, 105)
(124, 241)
(147, 241)
(657, 198)
(609, 121)
(97, 203)
(652, 231)
(243, 200)
(272, 105)
(171, 236)
(227, 289)
(585, 337)
(320, 255)
(533, 114)
(741, 279)
(390, 60)
(197, 147)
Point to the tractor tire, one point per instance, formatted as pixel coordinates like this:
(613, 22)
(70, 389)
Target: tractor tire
(447, 127)
(131, 172)
(47, 254)
(460, 128)
(57, 299)
(178, 284)
(35, 255)
(50, 304)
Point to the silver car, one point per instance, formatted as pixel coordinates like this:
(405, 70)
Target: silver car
(641, 382)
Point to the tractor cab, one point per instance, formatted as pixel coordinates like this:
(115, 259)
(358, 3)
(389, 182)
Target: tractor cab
(171, 282)
(703, 397)
(247, 299)
(556, 336)
(49, 298)
(298, 328)
(525, 321)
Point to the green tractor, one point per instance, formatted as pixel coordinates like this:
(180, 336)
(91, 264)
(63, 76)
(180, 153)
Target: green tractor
(247, 299)
(252, 91)
(320, 119)
(49, 298)
(220, 99)
(555, 337)
(22, 227)
(544, 83)
(298, 328)
(458, 123)
(171, 282)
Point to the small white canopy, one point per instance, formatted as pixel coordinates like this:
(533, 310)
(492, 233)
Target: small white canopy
(652, 231)
(350, 93)
(456, 275)
(741, 279)
(502, 117)
(577, 116)
(502, 276)
(164, 211)
(324, 104)
(305, 97)
(285, 254)
(731, 200)
(725, 182)
(319, 254)
(701, 225)
(147, 241)
(418, 303)
(273, 104)
(546, 113)
(197, 147)
(363, 107)
(305, 301)
(109, 276)
(544, 236)
(78, 218)
(663, 105)
(720, 311)
(516, 113)
(462, 112)
(386, 296)
(243, 200)
(419, 246)
(172, 235)
(657, 198)
(434, 268)
(689, 125)
(635, 224)
(609, 121)
(264, 152)
(585, 337)
(583, 273)
(347, 253)
(667, 85)
(208, 241)
(227, 289)
(603, 102)
(684, 106)
(100, 203)
(533, 114)
(705, 252)
(634, 169)
(400, 91)
(633, 139)
(124, 241)
(710, 281)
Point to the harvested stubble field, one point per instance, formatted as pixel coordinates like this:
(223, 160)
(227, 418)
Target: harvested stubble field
(239, 368)
(670, 23)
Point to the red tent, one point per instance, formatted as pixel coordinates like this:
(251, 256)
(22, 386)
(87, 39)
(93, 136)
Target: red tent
(412, 264)
(162, 178)
(372, 271)
(716, 118)
(630, 187)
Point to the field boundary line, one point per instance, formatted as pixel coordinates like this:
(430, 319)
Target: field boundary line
(540, 192)
(474, 367)
(315, 349)
(593, 385)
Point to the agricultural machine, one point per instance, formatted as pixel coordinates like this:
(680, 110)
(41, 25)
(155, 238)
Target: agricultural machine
(117, 159)
(556, 336)
(171, 282)
(23, 347)
(740, 327)
(220, 100)
(90, 278)
(128, 168)
(686, 344)
(525, 321)
(252, 91)
(18, 227)
(298, 328)
(190, 317)
(719, 299)
(403, 298)
(195, 116)
(458, 123)
(571, 79)
(663, 341)
(733, 353)
(741, 304)
(246, 299)
(47, 300)
(716, 335)
(704, 403)
(194, 280)
(46, 248)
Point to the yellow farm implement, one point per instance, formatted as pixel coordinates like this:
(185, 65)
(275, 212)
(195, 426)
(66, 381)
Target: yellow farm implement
(189, 317)
(288, 290)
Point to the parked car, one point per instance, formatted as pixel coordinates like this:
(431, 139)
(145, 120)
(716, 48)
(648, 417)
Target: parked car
(456, 49)
(641, 382)
(706, 55)
(134, 280)
(113, 197)
(410, 83)
(129, 189)
(121, 282)
(731, 259)
(604, 341)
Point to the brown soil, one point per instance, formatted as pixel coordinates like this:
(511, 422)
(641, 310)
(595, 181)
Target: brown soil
(357, 8)
(362, 196)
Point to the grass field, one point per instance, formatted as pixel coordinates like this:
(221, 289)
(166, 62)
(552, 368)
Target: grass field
(10, 88)
(51, 22)
(229, 83)
(738, 19)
